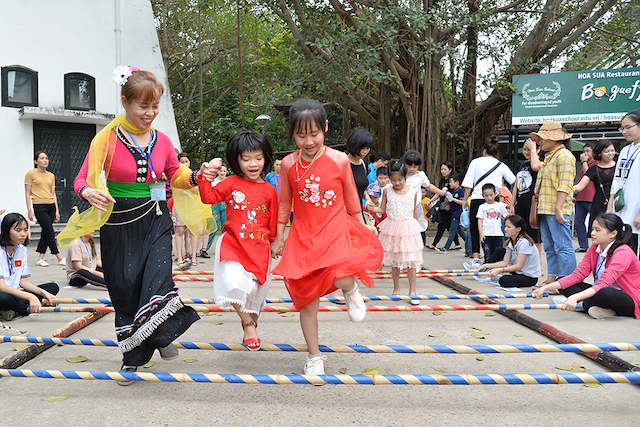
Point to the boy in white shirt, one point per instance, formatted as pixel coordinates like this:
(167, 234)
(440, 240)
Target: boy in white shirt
(490, 216)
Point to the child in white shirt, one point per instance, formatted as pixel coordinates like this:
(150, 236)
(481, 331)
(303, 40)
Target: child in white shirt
(490, 216)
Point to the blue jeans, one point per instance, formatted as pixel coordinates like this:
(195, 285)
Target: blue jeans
(456, 229)
(582, 210)
(556, 237)
(490, 245)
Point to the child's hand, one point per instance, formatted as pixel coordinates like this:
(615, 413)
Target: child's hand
(369, 206)
(277, 247)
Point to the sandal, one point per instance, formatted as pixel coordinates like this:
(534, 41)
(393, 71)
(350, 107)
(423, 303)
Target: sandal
(456, 248)
(433, 248)
(249, 341)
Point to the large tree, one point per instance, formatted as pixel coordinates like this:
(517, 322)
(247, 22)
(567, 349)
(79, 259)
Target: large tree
(408, 69)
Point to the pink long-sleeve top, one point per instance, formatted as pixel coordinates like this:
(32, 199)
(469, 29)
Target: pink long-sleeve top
(124, 167)
(622, 268)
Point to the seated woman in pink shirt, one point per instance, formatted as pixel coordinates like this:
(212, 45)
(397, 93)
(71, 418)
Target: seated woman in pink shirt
(616, 273)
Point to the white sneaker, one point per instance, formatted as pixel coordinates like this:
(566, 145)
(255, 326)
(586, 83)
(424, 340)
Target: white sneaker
(315, 365)
(601, 313)
(559, 299)
(473, 265)
(63, 261)
(9, 331)
(355, 304)
(42, 263)
(487, 279)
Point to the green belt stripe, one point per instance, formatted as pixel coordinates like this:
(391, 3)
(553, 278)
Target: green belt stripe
(129, 189)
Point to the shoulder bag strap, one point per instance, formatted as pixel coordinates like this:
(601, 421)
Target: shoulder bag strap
(488, 173)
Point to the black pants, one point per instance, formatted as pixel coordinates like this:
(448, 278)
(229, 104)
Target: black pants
(83, 277)
(21, 306)
(610, 297)
(46, 215)
(513, 280)
(443, 225)
(473, 227)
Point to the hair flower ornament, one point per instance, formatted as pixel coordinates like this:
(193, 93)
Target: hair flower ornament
(122, 73)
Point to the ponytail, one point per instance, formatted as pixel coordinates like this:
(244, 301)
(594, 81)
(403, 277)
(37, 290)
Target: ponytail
(613, 222)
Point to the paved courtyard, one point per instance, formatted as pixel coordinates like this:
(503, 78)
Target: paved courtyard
(104, 403)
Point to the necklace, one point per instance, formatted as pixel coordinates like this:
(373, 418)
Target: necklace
(306, 168)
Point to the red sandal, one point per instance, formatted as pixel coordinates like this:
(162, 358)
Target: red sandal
(249, 341)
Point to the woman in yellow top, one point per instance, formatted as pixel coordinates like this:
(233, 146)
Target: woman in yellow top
(40, 188)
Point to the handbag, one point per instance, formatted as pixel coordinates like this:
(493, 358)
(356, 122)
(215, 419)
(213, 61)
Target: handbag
(534, 221)
(618, 200)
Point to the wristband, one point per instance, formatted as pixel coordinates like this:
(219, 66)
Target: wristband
(192, 178)
(80, 192)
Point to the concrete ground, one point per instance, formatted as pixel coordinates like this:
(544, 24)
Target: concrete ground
(104, 403)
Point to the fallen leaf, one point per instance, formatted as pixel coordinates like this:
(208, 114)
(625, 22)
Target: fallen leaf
(594, 385)
(476, 328)
(573, 368)
(489, 314)
(149, 364)
(480, 358)
(191, 360)
(480, 337)
(327, 370)
(390, 372)
(288, 314)
(78, 359)
(217, 323)
(372, 371)
(437, 313)
(439, 369)
(55, 399)
(564, 367)
(483, 333)
(633, 361)
(343, 371)
(436, 334)
(216, 313)
(517, 335)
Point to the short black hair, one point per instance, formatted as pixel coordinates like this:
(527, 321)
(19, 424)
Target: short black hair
(457, 177)
(360, 138)
(248, 140)
(383, 156)
(412, 157)
(303, 114)
(382, 171)
(489, 186)
(8, 222)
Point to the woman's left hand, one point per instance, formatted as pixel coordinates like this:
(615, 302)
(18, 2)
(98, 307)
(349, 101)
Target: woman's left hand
(494, 272)
(570, 304)
(50, 297)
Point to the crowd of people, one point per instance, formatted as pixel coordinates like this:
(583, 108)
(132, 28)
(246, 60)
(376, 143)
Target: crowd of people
(349, 218)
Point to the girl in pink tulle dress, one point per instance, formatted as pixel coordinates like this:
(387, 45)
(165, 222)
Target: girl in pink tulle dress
(400, 231)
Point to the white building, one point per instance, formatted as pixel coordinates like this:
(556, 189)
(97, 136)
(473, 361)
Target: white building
(57, 60)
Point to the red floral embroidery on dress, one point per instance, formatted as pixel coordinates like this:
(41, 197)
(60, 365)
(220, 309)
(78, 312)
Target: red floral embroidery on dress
(238, 200)
(247, 230)
(314, 195)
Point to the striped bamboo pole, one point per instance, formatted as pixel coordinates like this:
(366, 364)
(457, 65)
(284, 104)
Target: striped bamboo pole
(209, 272)
(272, 309)
(404, 349)
(373, 276)
(324, 299)
(485, 379)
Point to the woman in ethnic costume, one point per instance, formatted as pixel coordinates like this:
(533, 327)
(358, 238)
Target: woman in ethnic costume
(328, 244)
(120, 178)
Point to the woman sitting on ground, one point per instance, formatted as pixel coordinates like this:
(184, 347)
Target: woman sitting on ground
(615, 269)
(520, 258)
(84, 266)
(18, 296)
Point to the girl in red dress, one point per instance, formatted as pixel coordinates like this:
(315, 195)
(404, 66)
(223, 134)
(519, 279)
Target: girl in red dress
(241, 275)
(328, 244)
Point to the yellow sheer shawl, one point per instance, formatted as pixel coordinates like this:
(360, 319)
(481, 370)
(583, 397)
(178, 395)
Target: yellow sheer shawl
(196, 215)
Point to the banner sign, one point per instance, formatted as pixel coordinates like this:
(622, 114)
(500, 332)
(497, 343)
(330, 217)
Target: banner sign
(577, 96)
